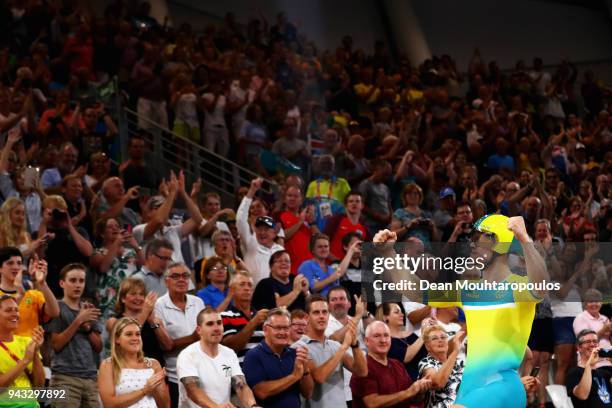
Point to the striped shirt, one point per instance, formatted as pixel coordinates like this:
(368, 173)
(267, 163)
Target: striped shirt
(234, 321)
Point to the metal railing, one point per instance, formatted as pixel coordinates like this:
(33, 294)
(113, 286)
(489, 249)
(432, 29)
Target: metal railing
(170, 151)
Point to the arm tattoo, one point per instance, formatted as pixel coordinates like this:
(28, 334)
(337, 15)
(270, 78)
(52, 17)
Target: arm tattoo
(191, 380)
(238, 382)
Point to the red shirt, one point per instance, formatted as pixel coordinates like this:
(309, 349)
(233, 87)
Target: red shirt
(337, 228)
(382, 380)
(298, 245)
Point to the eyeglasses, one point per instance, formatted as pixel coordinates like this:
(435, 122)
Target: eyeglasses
(436, 338)
(219, 268)
(280, 328)
(163, 258)
(300, 324)
(593, 341)
(177, 276)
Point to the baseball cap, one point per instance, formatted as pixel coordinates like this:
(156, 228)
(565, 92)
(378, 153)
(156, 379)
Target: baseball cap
(265, 221)
(446, 192)
(155, 201)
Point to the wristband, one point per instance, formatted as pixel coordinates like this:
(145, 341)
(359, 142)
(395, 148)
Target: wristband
(355, 345)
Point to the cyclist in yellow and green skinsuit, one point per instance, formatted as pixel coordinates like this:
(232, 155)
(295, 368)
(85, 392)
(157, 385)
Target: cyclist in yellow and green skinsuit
(498, 322)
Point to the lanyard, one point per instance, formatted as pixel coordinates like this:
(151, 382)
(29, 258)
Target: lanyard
(329, 192)
(9, 352)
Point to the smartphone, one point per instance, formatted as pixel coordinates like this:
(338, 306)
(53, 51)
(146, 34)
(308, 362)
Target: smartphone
(535, 371)
(30, 176)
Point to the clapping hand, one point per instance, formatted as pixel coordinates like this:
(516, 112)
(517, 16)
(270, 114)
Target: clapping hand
(37, 338)
(155, 381)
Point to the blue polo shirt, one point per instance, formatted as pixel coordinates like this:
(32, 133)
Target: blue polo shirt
(211, 295)
(313, 272)
(261, 364)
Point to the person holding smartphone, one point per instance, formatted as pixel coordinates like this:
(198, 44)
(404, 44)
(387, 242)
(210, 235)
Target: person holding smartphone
(586, 385)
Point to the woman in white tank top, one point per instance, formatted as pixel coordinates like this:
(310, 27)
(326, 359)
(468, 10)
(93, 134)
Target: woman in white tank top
(127, 378)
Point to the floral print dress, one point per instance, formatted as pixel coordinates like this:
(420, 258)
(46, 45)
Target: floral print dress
(107, 284)
(445, 397)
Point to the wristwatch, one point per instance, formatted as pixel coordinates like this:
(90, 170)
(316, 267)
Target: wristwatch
(155, 326)
(355, 345)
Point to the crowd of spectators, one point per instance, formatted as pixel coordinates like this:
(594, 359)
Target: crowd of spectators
(152, 293)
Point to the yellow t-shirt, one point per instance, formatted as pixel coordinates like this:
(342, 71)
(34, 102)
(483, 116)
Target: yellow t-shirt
(321, 189)
(31, 310)
(17, 347)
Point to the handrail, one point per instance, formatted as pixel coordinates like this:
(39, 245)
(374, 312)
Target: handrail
(216, 171)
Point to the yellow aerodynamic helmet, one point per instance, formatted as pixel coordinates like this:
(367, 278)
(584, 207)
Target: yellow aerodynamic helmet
(497, 225)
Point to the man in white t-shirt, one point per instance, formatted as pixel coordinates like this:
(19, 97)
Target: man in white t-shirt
(216, 136)
(338, 299)
(200, 242)
(260, 246)
(157, 213)
(208, 371)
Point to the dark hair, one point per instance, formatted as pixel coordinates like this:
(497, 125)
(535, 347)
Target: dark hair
(7, 253)
(312, 299)
(384, 309)
(71, 267)
(346, 240)
(206, 310)
(277, 255)
(352, 193)
(314, 238)
(7, 297)
(210, 263)
(157, 244)
(337, 288)
(462, 204)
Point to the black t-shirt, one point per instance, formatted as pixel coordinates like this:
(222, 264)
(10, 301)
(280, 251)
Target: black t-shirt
(61, 251)
(263, 298)
(601, 389)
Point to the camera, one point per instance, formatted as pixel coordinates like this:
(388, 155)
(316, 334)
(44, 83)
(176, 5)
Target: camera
(59, 215)
(605, 353)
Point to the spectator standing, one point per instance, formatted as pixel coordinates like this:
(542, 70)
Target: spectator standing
(328, 357)
(37, 305)
(321, 276)
(387, 383)
(442, 367)
(119, 258)
(216, 135)
(76, 341)
(216, 292)
(299, 225)
(259, 246)
(281, 289)
(586, 385)
(377, 197)
(178, 312)
(135, 303)
(342, 224)
(20, 361)
(157, 258)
